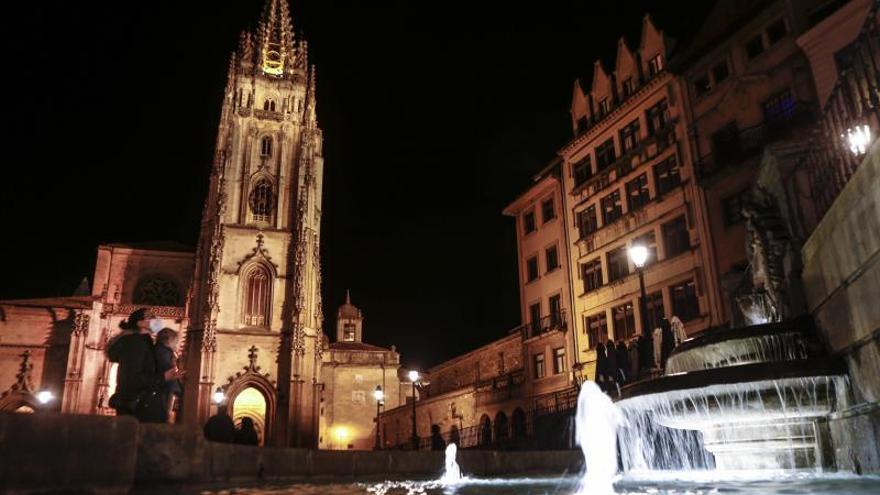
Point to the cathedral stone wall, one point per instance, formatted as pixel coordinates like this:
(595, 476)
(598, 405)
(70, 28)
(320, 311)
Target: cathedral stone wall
(493, 359)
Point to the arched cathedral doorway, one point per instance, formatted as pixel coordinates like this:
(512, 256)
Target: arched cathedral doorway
(250, 403)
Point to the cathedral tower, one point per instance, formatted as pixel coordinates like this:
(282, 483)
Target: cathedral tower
(255, 303)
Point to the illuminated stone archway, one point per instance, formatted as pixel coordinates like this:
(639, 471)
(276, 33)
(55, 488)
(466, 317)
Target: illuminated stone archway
(250, 403)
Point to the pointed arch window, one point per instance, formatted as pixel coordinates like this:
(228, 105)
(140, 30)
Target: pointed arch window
(269, 105)
(262, 200)
(266, 146)
(257, 296)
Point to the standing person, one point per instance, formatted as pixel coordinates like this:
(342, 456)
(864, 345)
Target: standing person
(166, 359)
(220, 427)
(658, 348)
(246, 433)
(622, 362)
(612, 373)
(138, 379)
(668, 341)
(601, 366)
(437, 442)
(678, 330)
(633, 357)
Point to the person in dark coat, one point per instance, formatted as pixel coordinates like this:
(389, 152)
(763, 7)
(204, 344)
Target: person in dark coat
(437, 442)
(668, 342)
(601, 367)
(622, 362)
(246, 433)
(220, 427)
(633, 358)
(166, 359)
(646, 354)
(611, 363)
(138, 378)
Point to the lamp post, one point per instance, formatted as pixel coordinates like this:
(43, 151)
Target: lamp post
(219, 397)
(380, 396)
(639, 256)
(413, 377)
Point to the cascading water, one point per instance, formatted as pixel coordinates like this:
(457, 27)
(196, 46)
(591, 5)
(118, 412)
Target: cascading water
(596, 432)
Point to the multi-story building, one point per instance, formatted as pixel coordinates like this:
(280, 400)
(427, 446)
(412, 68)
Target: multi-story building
(628, 179)
(746, 86)
(545, 288)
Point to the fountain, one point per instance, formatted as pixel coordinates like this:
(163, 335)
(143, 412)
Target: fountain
(452, 472)
(743, 399)
(596, 426)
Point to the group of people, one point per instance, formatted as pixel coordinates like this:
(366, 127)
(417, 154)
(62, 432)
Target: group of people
(149, 381)
(629, 360)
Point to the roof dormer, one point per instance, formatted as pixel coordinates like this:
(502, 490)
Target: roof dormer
(580, 109)
(602, 92)
(653, 49)
(626, 70)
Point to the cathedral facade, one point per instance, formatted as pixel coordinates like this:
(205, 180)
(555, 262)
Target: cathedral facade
(247, 301)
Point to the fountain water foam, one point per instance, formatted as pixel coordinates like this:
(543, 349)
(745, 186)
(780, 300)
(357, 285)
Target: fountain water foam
(596, 432)
(452, 473)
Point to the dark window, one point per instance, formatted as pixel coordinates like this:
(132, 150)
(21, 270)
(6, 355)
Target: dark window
(532, 268)
(548, 210)
(685, 304)
(551, 255)
(529, 222)
(726, 144)
(587, 221)
(559, 360)
(256, 296)
(583, 170)
(629, 136)
(539, 365)
(780, 109)
(657, 116)
(555, 305)
(262, 200)
(649, 240)
(754, 46)
(624, 321)
(720, 72)
(702, 85)
(266, 146)
(591, 272)
(605, 154)
(582, 124)
(666, 175)
(655, 65)
(843, 58)
(597, 328)
(269, 105)
(157, 291)
(731, 207)
(618, 266)
(637, 194)
(603, 106)
(675, 237)
(535, 317)
(627, 87)
(776, 31)
(611, 207)
(654, 308)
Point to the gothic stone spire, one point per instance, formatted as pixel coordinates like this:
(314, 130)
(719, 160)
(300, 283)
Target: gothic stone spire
(275, 34)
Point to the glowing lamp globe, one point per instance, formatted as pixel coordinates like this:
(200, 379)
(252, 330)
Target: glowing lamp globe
(45, 396)
(413, 375)
(378, 394)
(219, 397)
(639, 255)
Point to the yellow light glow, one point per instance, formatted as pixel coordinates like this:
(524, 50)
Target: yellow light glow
(341, 434)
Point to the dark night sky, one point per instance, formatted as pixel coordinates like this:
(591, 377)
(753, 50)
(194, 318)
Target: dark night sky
(435, 116)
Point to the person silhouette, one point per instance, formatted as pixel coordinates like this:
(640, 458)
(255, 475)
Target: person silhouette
(220, 427)
(246, 434)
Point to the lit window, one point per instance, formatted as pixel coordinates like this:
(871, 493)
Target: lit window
(256, 296)
(539, 365)
(627, 87)
(591, 272)
(655, 65)
(348, 332)
(629, 136)
(597, 328)
(603, 106)
(559, 360)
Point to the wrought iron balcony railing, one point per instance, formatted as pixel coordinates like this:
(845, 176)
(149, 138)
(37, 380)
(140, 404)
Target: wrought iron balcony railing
(554, 321)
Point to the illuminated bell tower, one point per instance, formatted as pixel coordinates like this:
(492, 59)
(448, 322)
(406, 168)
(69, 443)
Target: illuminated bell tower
(257, 277)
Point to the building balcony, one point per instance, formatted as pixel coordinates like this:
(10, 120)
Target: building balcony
(555, 321)
(501, 388)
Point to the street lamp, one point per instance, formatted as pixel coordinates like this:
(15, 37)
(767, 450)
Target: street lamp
(219, 397)
(413, 377)
(380, 396)
(639, 256)
(858, 138)
(45, 396)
